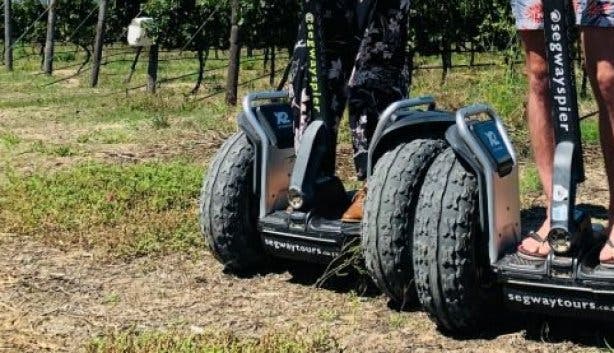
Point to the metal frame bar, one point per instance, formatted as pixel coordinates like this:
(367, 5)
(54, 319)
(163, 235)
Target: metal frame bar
(248, 103)
(490, 174)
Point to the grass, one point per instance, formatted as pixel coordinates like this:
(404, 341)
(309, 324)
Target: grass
(590, 131)
(9, 139)
(529, 181)
(129, 210)
(397, 320)
(160, 122)
(118, 171)
(173, 342)
(105, 136)
(56, 182)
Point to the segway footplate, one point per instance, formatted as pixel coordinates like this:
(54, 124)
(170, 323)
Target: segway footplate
(305, 237)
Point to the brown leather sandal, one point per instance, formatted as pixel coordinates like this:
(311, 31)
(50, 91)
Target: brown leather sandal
(528, 255)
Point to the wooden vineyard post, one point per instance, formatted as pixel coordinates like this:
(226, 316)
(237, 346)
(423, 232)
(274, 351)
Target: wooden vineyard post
(49, 42)
(272, 68)
(152, 69)
(98, 43)
(232, 81)
(8, 42)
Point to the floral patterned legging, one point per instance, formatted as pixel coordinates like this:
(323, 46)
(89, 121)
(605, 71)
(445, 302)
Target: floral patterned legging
(365, 45)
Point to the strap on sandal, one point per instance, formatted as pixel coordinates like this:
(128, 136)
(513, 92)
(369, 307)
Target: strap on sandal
(532, 256)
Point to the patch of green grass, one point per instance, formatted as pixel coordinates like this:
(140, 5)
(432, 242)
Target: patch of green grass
(59, 150)
(63, 151)
(397, 320)
(129, 210)
(160, 122)
(39, 146)
(328, 315)
(107, 136)
(172, 342)
(529, 180)
(111, 298)
(9, 139)
(65, 57)
(590, 132)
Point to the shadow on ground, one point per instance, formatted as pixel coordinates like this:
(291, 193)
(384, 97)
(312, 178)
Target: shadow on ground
(537, 328)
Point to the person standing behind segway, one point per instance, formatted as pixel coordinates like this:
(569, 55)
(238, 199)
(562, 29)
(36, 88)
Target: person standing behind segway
(365, 45)
(596, 21)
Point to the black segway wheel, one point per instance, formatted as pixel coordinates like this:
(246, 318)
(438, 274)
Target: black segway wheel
(389, 216)
(228, 208)
(447, 252)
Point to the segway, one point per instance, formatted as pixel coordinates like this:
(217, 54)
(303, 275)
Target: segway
(468, 216)
(263, 200)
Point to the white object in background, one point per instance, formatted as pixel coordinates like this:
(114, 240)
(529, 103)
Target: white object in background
(137, 32)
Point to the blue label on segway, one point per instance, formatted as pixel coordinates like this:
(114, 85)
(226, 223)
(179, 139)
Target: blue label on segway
(491, 140)
(278, 120)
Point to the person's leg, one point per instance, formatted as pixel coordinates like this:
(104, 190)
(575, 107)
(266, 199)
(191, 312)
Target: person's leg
(598, 45)
(380, 75)
(540, 126)
(336, 22)
(298, 86)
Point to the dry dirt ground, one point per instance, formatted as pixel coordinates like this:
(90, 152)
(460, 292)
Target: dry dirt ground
(53, 300)
(58, 300)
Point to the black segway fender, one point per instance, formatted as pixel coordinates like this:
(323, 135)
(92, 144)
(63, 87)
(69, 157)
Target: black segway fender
(407, 126)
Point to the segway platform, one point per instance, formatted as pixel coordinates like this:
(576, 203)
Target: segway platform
(574, 284)
(567, 286)
(306, 237)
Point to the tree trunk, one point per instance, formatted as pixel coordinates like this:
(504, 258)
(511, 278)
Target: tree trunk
(284, 78)
(8, 40)
(41, 53)
(265, 62)
(203, 55)
(133, 65)
(232, 81)
(49, 42)
(98, 43)
(152, 69)
(272, 73)
(88, 56)
(446, 60)
(410, 68)
(250, 52)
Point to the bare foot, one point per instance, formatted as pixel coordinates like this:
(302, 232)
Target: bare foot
(533, 247)
(607, 253)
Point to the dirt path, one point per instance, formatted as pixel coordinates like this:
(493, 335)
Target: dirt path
(55, 300)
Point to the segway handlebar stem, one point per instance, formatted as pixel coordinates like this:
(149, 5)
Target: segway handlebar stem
(559, 31)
